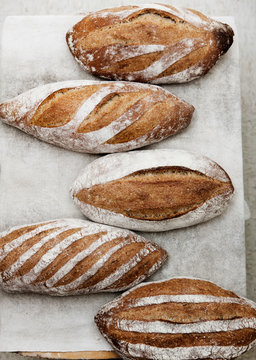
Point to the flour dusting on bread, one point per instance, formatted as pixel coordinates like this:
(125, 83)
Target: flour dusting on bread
(144, 207)
(181, 318)
(148, 43)
(147, 114)
(72, 257)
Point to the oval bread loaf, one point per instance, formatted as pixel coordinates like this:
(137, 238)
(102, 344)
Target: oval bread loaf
(154, 43)
(152, 190)
(98, 117)
(72, 257)
(181, 319)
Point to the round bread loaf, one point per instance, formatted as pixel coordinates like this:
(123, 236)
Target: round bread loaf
(181, 319)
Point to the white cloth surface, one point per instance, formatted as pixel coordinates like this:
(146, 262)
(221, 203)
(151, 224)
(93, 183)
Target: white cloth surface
(35, 180)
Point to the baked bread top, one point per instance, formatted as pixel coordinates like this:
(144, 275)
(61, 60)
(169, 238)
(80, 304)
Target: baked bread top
(98, 116)
(152, 190)
(73, 256)
(180, 318)
(155, 43)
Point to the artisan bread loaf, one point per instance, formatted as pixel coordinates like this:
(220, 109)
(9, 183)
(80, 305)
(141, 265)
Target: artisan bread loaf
(98, 117)
(152, 190)
(72, 257)
(154, 43)
(179, 319)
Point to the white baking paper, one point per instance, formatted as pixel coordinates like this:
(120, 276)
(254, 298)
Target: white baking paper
(35, 179)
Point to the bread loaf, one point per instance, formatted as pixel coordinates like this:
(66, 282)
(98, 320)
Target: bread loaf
(98, 117)
(72, 257)
(152, 190)
(179, 319)
(154, 43)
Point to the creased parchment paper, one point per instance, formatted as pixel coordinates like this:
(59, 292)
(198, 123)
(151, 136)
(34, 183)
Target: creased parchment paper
(36, 177)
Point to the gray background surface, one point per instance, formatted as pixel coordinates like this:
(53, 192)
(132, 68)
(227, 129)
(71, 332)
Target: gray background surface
(244, 12)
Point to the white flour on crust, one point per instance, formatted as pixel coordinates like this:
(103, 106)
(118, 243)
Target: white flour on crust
(182, 13)
(184, 298)
(20, 110)
(207, 211)
(13, 280)
(129, 349)
(116, 166)
(115, 53)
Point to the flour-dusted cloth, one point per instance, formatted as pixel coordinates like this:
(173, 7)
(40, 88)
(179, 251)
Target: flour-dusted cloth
(35, 180)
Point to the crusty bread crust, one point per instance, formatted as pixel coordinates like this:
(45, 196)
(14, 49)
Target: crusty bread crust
(152, 190)
(72, 257)
(98, 117)
(154, 43)
(180, 318)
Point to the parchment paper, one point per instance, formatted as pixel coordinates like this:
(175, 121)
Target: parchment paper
(35, 180)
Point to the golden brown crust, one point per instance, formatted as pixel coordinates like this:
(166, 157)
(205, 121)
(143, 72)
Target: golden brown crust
(34, 259)
(152, 190)
(109, 43)
(60, 106)
(112, 264)
(70, 252)
(71, 257)
(98, 116)
(155, 194)
(143, 266)
(233, 338)
(183, 313)
(180, 318)
(110, 109)
(13, 256)
(180, 286)
(16, 233)
(156, 117)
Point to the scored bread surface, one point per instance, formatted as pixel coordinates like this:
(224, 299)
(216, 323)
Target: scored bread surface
(155, 43)
(98, 117)
(72, 257)
(152, 190)
(180, 318)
